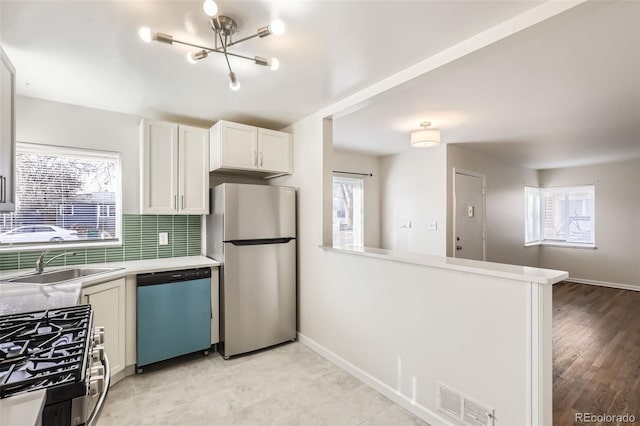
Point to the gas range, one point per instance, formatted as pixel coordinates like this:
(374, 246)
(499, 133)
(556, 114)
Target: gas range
(59, 351)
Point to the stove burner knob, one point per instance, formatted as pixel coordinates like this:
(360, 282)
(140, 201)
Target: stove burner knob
(97, 370)
(98, 336)
(96, 385)
(97, 354)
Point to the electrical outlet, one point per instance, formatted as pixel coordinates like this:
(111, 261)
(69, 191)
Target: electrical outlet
(163, 238)
(433, 226)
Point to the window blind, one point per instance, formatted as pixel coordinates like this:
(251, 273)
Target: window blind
(63, 196)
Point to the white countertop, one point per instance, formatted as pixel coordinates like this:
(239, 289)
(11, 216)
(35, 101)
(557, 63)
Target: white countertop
(502, 270)
(22, 410)
(21, 297)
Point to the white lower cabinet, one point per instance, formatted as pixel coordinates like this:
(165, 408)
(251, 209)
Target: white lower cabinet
(108, 304)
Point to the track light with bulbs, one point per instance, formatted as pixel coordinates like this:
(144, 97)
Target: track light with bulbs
(224, 28)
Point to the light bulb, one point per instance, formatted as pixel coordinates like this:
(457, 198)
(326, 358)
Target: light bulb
(234, 85)
(145, 34)
(275, 64)
(210, 7)
(194, 57)
(277, 27)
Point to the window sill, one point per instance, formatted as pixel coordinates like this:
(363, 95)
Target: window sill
(60, 246)
(567, 245)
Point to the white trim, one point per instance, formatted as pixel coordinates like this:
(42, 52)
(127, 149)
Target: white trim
(83, 153)
(561, 244)
(62, 245)
(534, 354)
(621, 286)
(540, 358)
(484, 209)
(404, 401)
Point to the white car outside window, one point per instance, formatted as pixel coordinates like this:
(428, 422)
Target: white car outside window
(37, 233)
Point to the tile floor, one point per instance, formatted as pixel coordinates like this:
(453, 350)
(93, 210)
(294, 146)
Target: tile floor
(287, 385)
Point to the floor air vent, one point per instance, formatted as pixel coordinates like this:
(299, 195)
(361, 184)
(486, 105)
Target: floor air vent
(463, 409)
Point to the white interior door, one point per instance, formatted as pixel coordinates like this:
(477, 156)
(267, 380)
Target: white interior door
(469, 216)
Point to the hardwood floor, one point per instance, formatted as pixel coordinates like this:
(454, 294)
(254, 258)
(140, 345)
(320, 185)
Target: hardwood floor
(596, 353)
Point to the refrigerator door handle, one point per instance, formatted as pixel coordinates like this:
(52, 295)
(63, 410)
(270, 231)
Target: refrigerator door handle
(261, 241)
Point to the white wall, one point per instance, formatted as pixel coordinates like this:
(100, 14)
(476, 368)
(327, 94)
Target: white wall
(504, 220)
(369, 312)
(358, 162)
(617, 224)
(413, 187)
(53, 123)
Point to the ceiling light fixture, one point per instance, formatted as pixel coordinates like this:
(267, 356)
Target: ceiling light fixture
(425, 137)
(223, 28)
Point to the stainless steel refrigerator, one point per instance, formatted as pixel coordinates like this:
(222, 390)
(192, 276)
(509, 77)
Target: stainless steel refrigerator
(251, 231)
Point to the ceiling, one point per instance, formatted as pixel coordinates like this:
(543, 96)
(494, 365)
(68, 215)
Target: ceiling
(88, 52)
(565, 92)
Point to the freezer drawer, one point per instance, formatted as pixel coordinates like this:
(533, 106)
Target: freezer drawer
(255, 211)
(258, 296)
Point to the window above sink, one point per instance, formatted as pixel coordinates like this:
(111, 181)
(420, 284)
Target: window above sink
(66, 198)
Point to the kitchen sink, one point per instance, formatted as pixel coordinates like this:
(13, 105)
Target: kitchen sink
(60, 275)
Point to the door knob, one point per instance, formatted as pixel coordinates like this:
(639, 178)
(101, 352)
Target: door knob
(458, 247)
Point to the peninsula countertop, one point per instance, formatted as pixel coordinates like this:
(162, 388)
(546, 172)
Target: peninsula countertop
(502, 270)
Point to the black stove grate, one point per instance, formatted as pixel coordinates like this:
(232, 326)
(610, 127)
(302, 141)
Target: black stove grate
(46, 349)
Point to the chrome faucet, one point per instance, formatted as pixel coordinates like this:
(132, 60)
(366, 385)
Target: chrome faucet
(40, 263)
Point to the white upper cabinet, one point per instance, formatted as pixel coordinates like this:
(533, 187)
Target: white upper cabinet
(241, 148)
(275, 151)
(193, 170)
(238, 145)
(175, 168)
(7, 134)
(160, 167)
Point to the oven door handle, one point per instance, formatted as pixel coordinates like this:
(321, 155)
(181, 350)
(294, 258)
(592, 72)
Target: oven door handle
(93, 418)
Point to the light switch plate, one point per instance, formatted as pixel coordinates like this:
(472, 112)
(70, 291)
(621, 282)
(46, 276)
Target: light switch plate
(163, 238)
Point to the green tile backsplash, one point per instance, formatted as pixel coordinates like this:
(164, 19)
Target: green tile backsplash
(139, 241)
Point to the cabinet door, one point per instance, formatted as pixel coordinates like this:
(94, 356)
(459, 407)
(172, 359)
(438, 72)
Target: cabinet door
(193, 170)
(108, 303)
(238, 145)
(274, 151)
(159, 167)
(7, 134)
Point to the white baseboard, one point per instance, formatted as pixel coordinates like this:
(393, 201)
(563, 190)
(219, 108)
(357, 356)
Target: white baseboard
(421, 411)
(605, 284)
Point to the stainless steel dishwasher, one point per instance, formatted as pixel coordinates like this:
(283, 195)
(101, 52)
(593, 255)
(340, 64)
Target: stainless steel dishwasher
(173, 314)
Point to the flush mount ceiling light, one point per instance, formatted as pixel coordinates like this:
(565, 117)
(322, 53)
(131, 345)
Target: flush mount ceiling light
(425, 137)
(223, 28)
